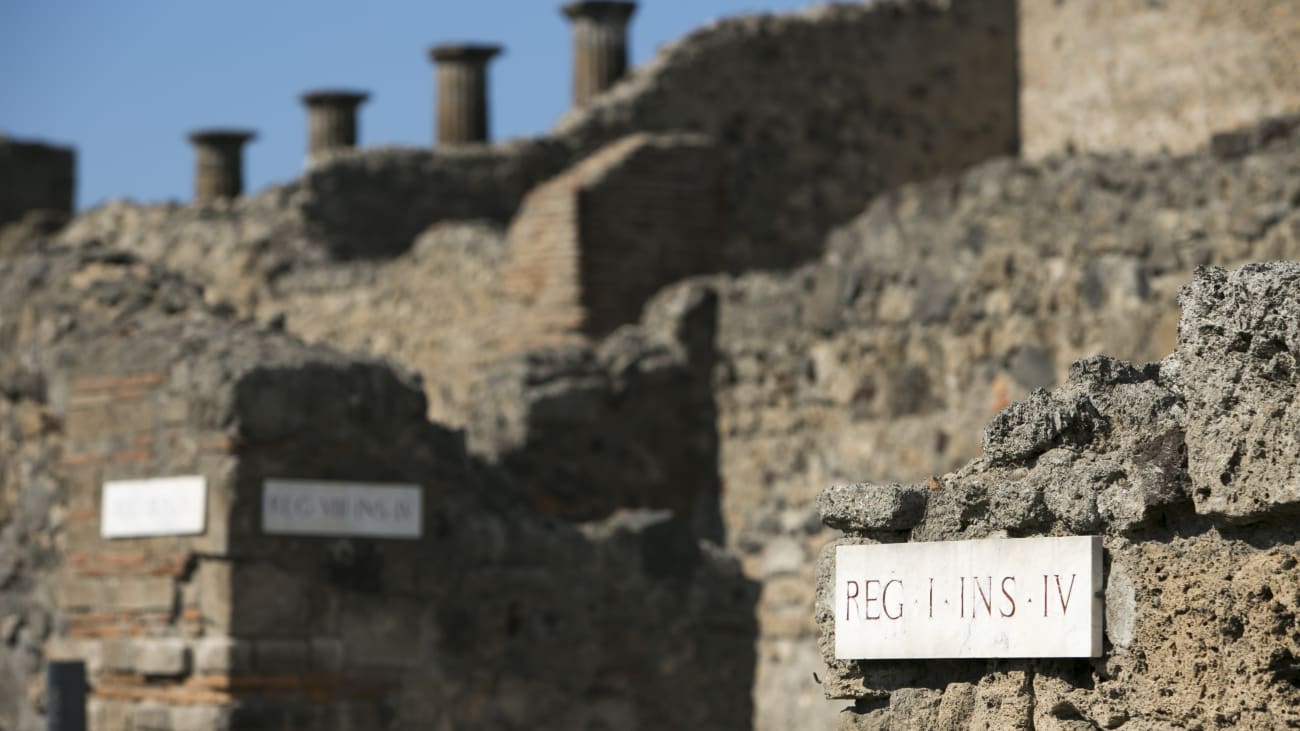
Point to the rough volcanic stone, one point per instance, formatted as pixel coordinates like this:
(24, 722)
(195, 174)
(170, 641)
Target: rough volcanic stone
(872, 507)
(1240, 377)
(1200, 607)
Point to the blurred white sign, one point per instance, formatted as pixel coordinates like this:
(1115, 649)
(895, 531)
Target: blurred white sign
(316, 507)
(163, 506)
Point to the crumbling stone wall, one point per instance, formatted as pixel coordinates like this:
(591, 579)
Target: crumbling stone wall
(591, 246)
(37, 182)
(587, 429)
(494, 618)
(941, 304)
(28, 455)
(814, 112)
(436, 309)
(937, 307)
(230, 247)
(1107, 75)
(365, 204)
(1187, 469)
(583, 256)
(896, 91)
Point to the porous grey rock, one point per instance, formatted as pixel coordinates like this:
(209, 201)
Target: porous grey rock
(890, 507)
(1028, 428)
(1239, 369)
(1199, 611)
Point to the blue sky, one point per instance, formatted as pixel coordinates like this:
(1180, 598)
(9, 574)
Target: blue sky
(124, 80)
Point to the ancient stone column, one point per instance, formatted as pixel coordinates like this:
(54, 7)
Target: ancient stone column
(219, 168)
(462, 92)
(331, 119)
(599, 45)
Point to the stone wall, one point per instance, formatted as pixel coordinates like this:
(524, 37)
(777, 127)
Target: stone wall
(495, 618)
(368, 204)
(37, 186)
(28, 488)
(814, 112)
(941, 304)
(586, 251)
(937, 307)
(1145, 76)
(628, 422)
(735, 400)
(435, 308)
(595, 243)
(1187, 468)
(895, 92)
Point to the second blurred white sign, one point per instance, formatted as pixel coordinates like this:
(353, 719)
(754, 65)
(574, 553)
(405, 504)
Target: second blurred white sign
(324, 508)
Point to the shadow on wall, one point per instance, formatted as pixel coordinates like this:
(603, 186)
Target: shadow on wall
(495, 618)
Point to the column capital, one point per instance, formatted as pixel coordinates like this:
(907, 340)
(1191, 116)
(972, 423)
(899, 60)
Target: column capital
(463, 52)
(334, 97)
(221, 136)
(609, 10)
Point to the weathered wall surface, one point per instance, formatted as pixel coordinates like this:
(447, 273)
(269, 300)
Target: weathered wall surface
(1188, 470)
(231, 248)
(435, 309)
(495, 618)
(1106, 75)
(586, 251)
(28, 453)
(895, 91)
(37, 185)
(735, 401)
(595, 243)
(937, 307)
(814, 112)
(365, 204)
(587, 429)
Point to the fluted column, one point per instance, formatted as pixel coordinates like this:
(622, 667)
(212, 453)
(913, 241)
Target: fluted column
(331, 119)
(599, 45)
(219, 163)
(462, 92)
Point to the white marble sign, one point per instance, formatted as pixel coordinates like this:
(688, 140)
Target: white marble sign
(323, 508)
(1010, 597)
(163, 506)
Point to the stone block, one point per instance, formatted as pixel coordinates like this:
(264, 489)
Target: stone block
(327, 654)
(66, 648)
(117, 655)
(107, 714)
(222, 656)
(142, 593)
(151, 717)
(167, 656)
(162, 656)
(387, 633)
(266, 600)
(281, 656)
(200, 718)
(212, 582)
(123, 593)
(873, 507)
